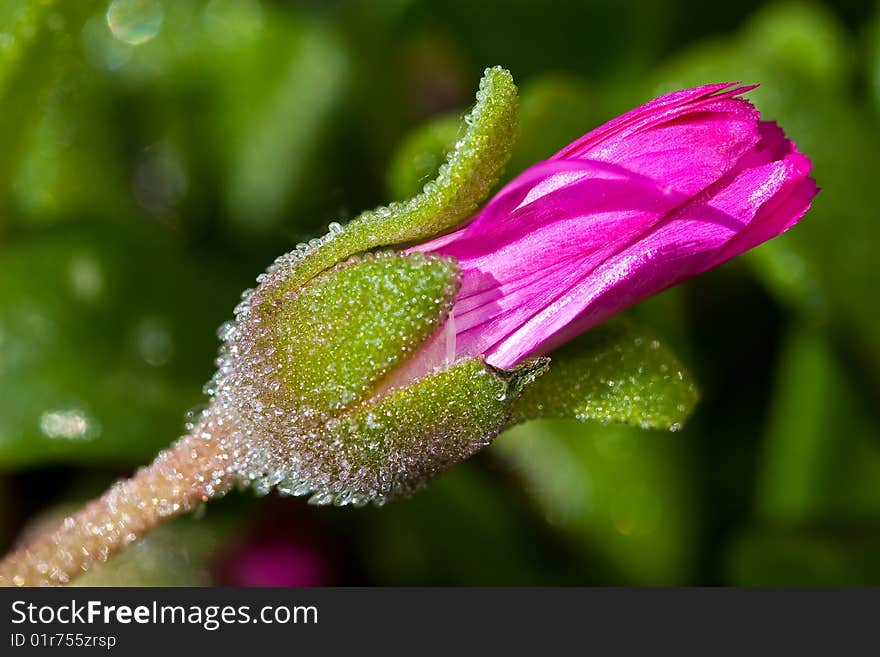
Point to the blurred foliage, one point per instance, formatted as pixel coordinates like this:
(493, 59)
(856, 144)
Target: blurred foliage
(157, 155)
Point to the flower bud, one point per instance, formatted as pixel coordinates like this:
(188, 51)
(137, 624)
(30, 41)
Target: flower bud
(307, 380)
(360, 381)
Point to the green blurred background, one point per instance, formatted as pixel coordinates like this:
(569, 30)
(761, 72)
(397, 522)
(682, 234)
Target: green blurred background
(156, 155)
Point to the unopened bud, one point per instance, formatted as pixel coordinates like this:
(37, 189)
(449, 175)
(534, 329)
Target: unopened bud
(307, 381)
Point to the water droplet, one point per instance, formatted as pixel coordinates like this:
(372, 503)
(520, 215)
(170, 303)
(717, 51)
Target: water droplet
(321, 499)
(134, 21)
(67, 424)
(226, 330)
(153, 341)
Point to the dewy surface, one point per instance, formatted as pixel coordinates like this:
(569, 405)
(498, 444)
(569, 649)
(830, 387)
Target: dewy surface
(617, 372)
(310, 395)
(299, 384)
(299, 361)
(194, 470)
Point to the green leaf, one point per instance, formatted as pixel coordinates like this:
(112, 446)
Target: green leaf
(420, 156)
(99, 363)
(614, 373)
(554, 111)
(272, 133)
(784, 558)
(821, 459)
(465, 529)
(176, 553)
(414, 433)
(329, 343)
(611, 492)
(41, 71)
(173, 554)
(872, 57)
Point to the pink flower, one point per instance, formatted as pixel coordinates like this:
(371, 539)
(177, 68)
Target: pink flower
(275, 563)
(654, 197)
(283, 549)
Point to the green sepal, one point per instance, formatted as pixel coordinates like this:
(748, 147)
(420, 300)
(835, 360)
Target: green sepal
(553, 110)
(392, 447)
(329, 343)
(471, 170)
(614, 373)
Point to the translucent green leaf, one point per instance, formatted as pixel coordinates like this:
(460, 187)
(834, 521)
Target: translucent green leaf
(272, 133)
(800, 558)
(329, 343)
(873, 59)
(174, 554)
(40, 67)
(614, 373)
(554, 111)
(792, 44)
(162, 558)
(177, 553)
(33, 36)
(824, 267)
(821, 459)
(465, 529)
(416, 432)
(420, 156)
(97, 361)
(70, 166)
(614, 493)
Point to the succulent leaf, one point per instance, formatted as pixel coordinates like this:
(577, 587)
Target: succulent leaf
(617, 372)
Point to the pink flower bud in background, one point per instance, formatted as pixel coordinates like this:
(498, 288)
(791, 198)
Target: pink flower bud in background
(654, 197)
(276, 555)
(278, 563)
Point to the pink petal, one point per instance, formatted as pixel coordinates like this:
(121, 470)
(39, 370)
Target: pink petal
(660, 109)
(759, 204)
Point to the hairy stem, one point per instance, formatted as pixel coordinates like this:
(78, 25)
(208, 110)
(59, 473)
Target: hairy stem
(192, 471)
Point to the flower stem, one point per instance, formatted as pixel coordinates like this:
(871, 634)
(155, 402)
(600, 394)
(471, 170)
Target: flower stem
(190, 472)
